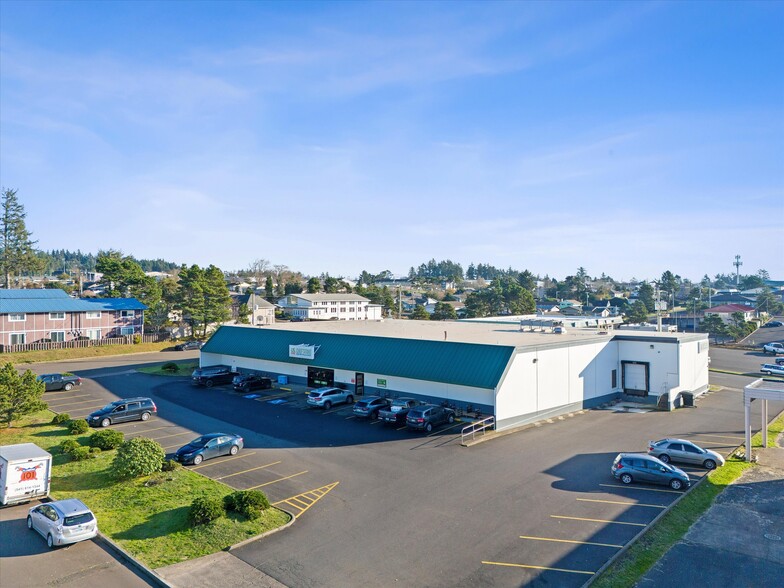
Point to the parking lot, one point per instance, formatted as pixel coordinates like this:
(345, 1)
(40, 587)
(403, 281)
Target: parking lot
(537, 507)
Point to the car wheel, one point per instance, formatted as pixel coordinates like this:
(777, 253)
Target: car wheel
(429, 427)
(29, 522)
(665, 458)
(450, 419)
(50, 540)
(350, 399)
(626, 478)
(145, 416)
(106, 422)
(676, 484)
(68, 386)
(327, 405)
(234, 449)
(197, 460)
(709, 464)
(209, 383)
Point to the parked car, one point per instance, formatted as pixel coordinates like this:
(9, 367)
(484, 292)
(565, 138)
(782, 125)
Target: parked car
(428, 416)
(772, 369)
(774, 348)
(327, 396)
(212, 375)
(681, 450)
(640, 467)
(780, 361)
(207, 446)
(63, 522)
(398, 411)
(773, 324)
(59, 381)
(188, 345)
(247, 382)
(120, 411)
(370, 406)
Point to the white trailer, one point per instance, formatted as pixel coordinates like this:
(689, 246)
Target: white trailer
(25, 473)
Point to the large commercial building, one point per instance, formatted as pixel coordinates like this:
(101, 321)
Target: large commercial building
(517, 376)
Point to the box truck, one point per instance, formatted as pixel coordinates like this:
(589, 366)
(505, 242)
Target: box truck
(25, 473)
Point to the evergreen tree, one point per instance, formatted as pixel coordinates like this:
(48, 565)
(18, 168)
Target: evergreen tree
(443, 312)
(419, 313)
(638, 313)
(20, 394)
(314, 285)
(16, 249)
(269, 289)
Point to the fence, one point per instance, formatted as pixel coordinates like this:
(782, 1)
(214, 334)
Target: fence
(79, 343)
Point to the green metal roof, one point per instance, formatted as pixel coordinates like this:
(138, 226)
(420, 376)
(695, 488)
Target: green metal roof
(464, 364)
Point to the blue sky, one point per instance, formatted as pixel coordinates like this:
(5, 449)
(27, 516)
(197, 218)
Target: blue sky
(626, 138)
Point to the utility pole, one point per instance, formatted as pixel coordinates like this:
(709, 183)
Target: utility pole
(399, 302)
(657, 304)
(737, 265)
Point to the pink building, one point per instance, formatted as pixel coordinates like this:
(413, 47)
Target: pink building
(30, 316)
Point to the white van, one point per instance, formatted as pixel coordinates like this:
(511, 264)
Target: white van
(25, 473)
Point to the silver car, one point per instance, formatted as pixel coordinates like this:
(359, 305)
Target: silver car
(63, 522)
(684, 451)
(326, 397)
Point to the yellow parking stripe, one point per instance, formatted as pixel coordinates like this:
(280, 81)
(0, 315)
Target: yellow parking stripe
(71, 398)
(621, 502)
(67, 404)
(514, 565)
(173, 435)
(640, 488)
(222, 461)
(720, 436)
(446, 429)
(319, 493)
(87, 408)
(278, 480)
(599, 521)
(331, 410)
(48, 394)
(571, 541)
(248, 470)
(401, 428)
(149, 430)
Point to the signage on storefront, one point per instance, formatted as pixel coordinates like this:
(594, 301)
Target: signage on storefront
(381, 383)
(303, 351)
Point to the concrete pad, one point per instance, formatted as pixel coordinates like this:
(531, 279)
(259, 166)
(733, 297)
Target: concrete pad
(217, 571)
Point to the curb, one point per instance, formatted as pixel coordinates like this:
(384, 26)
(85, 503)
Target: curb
(142, 569)
(266, 533)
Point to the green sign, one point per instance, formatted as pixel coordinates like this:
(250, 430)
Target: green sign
(381, 383)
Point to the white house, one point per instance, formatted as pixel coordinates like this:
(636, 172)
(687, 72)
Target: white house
(324, 307)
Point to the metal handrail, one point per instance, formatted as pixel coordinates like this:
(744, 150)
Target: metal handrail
(478, 426)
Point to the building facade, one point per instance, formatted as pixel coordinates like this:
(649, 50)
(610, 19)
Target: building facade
(325, 307)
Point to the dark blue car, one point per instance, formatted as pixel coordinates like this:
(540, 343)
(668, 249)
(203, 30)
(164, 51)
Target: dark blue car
(207, 446)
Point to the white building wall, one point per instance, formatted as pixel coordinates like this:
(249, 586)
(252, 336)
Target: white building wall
(662, 358)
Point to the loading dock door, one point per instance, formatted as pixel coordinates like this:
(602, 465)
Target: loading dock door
(635, 378)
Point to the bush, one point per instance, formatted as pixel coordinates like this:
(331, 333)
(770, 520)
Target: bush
(137, 339)
(170, 465)
(61, 419)
(106, 439)
(170, 367)
(69, 445)
(80, 453)
(78, 427)
(94, 451)
(205, 509)
(249, 503)
(139, 456)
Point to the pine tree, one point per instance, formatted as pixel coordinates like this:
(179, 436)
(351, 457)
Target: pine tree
(16, 249)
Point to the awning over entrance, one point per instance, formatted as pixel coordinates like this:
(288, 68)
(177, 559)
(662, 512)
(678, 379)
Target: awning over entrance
(763, 390)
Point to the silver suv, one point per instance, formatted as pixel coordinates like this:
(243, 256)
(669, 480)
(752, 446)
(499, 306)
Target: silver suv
(326, 397)
(63, 522)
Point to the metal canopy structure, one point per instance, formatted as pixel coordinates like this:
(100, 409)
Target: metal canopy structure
(763, 390)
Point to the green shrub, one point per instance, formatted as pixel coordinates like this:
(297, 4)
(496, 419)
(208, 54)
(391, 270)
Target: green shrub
(94, 451)
(170, 367)
(170, 465)
(106, 439)
(249, 503)
(137, 339)
(78, 427)
(205, 509)
(139, 456)
(61, 419)
(80, 453)
(69, 445)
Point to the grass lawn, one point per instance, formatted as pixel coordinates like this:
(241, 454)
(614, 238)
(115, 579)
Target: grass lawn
(184, 368)
(147, 516)
(631, 566)
(82, 352)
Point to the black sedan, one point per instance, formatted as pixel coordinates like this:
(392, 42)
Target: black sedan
(247, 382)
(207, 446)
(188, 345)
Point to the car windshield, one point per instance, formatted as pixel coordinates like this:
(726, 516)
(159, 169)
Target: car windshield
(200, 441)
(109, 406)
(79, 519)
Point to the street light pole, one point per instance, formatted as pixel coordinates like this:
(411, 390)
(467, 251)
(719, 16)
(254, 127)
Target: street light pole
(695, 316)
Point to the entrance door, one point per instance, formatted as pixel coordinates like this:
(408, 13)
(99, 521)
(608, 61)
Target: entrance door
(635, 378)
(320, 377)
(359, 384)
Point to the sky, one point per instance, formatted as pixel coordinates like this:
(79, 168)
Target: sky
(627, 138)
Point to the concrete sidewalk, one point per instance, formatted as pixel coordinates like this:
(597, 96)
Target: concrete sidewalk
(739, 541)
(217, 571)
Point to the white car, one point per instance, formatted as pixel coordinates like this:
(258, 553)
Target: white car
(772, 369)
(63, 522)
(326, 397)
